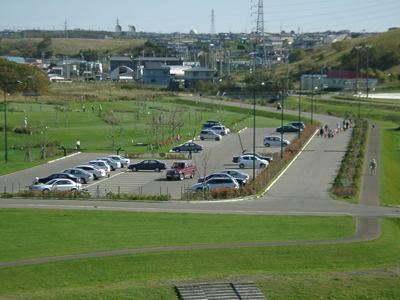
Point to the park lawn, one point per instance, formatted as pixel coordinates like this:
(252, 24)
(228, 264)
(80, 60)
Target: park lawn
(39, 233)
(89, 278)
(80, 120)
(389, 170)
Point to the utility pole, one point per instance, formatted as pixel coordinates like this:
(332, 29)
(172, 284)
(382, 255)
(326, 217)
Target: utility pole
(212, 31)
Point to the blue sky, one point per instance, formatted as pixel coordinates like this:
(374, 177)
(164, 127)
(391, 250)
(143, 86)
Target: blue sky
(183, 15)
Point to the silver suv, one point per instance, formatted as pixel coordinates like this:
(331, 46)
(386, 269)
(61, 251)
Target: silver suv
(216, 183)
(208, 134)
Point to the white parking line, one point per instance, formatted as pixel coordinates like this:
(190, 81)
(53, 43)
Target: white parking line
(288, 166)
(241, 130)
(103, 180)
(64, 157)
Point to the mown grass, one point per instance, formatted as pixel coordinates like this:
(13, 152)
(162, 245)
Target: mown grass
(36, 233)
(389, 170)
(90, 277)
(119, 124)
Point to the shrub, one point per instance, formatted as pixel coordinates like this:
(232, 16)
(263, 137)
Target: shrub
(127, 197)
(53, 194)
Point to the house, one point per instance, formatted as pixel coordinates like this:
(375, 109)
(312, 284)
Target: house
(120, 61)
(349, 80)
(156, 74)
(198, 74)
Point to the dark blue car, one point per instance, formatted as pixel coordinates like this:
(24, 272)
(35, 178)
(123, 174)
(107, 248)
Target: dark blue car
(186, 147)
(148, 165)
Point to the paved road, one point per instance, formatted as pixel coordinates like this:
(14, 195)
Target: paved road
(312, 166)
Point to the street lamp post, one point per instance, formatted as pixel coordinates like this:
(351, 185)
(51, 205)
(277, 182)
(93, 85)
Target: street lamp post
(5, 121)
(254, 131)
(299, 105)
(283, 107)
(312, 98)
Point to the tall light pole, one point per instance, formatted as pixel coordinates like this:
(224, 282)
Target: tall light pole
(283, 107)
(368, 47)
(5, 120)
(254, 130)
(299, 104)
(312, 98)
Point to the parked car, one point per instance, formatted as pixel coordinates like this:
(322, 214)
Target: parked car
(288, 128)
(241, 178)
(124, 161)
(235, 159)
(220, 129)
(85, 176)
(216, 183)
(112, 163)
(300, 125)
(275, 141)
(181, 170)
(96, 171)
(246, 161)
(208, 134)
(214, 175)
(57, 176)
(148, 165)
(186, 147)
(101, 164)
(61, 184)
(210, 123)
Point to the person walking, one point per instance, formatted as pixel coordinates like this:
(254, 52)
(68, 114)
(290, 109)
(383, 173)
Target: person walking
(373, 165)
(78, 145)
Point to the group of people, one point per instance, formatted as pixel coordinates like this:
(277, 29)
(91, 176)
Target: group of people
(327, 132)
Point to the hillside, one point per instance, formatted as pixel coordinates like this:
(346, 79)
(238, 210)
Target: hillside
(67, 46)
(384, 56)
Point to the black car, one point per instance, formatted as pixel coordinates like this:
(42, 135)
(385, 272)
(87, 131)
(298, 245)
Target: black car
(300, 125)
(148, 165)
(186, 147)
(288, 128)
(56, 176)
(210, 123)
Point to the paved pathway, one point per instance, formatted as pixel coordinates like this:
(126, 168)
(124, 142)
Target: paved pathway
(283, 198)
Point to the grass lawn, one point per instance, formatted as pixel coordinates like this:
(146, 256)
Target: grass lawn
(390, 164)
(302, 271)
(122, 124)
(37, 233)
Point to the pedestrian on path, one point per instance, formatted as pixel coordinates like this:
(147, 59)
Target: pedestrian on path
(372, 166)
(321, 131)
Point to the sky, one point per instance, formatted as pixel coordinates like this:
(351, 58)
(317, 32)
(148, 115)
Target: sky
(166, 16)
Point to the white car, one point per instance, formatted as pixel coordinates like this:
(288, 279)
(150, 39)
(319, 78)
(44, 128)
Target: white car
(95, 170)
(275, 141)
(124, 161)
(101, 164)
(216, 183)
(220, 129)
(246, 161)
(208, 134)
(61, 184)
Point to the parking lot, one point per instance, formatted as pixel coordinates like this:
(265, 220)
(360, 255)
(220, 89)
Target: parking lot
(216, 156)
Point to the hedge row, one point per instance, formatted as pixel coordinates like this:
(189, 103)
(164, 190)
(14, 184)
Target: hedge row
(265, 177)
(347, 182)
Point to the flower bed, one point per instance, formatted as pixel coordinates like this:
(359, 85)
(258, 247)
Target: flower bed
(347, 181)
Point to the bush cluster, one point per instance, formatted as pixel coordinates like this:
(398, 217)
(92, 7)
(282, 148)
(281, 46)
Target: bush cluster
(265, 177)
(347, 181)
(53, 194)
(127, 197)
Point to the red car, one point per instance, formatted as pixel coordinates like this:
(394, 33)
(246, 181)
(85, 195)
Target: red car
(181, 170)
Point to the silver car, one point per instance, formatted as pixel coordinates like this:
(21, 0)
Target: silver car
(113, 164)
(57, 185)
(275, 141)
(216, 183)
(208, 134)
(85, 176)
(101, 164)
(97, 173)
(124, 161)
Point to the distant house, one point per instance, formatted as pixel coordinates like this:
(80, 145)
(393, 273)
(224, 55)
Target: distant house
(16, 59)
(120, 61)
(338, 81)
(196, 74)
(156, 74)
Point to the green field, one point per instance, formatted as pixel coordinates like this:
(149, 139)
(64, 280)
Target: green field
(306, 269)
(390, 164)
(34, 233)
(104, 126)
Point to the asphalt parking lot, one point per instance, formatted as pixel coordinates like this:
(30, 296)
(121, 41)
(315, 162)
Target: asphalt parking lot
(216, 157)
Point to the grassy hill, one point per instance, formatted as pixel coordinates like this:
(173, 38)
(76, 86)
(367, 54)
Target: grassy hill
(68, 46)
(385, 44)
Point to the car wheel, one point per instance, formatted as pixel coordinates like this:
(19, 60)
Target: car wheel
(202, 138)
(74, 190)
(85, 181)
(267, 145)
(192, 175)
(157, 170)
(177, 150)
(241, 166)
(46, 191)
(196, 150)
(199, 189)
(134, 169)
(262, 166)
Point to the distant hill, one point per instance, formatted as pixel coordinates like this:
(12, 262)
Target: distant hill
(383, 56)
(67, 46)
